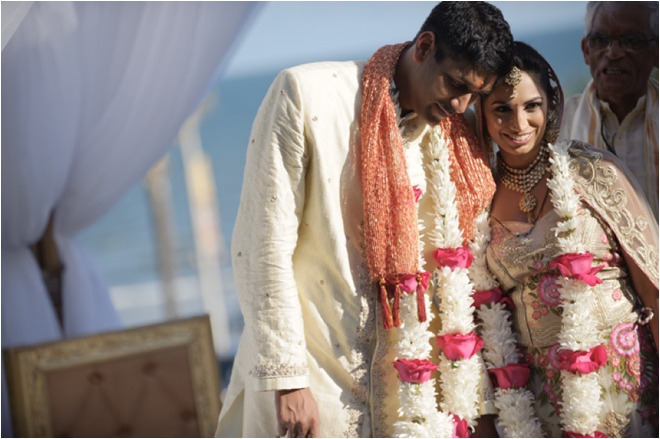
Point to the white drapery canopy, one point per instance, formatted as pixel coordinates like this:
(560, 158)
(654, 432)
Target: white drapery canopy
(92, 95)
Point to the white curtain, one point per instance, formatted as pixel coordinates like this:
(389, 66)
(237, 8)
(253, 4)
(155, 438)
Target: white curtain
(92, 95)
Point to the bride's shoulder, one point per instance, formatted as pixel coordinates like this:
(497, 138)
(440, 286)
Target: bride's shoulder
(593, 163)
(582, 151)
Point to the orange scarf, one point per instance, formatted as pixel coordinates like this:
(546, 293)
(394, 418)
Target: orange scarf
(390, 216)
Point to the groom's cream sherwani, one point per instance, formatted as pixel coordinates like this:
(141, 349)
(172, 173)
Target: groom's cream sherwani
(297, 252)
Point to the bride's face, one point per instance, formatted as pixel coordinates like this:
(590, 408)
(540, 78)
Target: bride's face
(517, 124)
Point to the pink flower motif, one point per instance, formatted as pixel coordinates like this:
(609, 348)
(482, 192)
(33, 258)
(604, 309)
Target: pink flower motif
(578, 266)
(460, 257)
(552, 397)
(414, 371)
(547, 388)
(616, 376)
(617, 295)
(644, 383)
(630, 387)
(550, 374)
(543, 360)
(528, 359)
(417, 192)
(552, 356)
(538, 265)
(459, 346)
(623, 384)
(496, 235)
(536, 315)
(544, 310)
(609, 350)
(511, 376)
(615, 361)
(486, 297)
(549, 291)
(624, 340)
(603, 238)
(608, 257)
(535, 304)
(634, 366)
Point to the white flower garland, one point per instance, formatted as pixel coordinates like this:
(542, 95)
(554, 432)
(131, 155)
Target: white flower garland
(516, 406)
(418, 413)
(579, 331)
(460, 380)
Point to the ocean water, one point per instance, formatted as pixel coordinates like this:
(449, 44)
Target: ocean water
(123, 243)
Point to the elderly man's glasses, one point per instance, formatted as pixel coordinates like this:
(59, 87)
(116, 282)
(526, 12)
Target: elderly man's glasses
(598, 41)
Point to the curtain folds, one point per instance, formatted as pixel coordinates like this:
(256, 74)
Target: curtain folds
(92, 95)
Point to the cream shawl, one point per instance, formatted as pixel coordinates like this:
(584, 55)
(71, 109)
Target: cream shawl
(586, 126)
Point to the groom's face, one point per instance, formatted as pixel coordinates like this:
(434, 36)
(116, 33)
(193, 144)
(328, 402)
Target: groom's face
(439, 89)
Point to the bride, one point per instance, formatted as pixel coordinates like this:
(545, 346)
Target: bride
(581, 270)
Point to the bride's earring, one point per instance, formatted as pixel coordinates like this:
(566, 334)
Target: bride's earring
(551, 128)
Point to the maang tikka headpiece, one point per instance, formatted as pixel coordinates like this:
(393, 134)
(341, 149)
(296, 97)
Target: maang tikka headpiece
(513, 78)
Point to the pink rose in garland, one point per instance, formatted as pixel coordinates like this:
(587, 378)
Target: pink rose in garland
(508, 303)
(576, 434)
(414, 283)
(578, 266)
(409, 282)
(511, 376)
(582, 361)
(486, 297)
(417, 192)
(414, 371)
(459, 346)
(460, 427)
(460, 257)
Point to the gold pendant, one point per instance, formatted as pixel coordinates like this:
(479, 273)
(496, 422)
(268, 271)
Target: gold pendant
(527, 203)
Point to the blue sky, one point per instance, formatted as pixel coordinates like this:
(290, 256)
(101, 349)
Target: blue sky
(283, 34)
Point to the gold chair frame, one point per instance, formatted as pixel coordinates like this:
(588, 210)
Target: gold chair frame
(27, 369)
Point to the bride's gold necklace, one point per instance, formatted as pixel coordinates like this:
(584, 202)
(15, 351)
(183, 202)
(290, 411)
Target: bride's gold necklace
(524, 180)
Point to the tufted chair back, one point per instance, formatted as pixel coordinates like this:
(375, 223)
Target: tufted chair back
(153, 381)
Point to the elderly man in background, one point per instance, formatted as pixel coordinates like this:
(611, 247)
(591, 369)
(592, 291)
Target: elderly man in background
(618, 109)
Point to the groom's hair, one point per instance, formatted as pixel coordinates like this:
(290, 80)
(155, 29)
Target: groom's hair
(475, 32)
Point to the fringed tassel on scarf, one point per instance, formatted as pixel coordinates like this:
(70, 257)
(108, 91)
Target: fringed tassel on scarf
(421, 305)
(396, 314)
(385, 305)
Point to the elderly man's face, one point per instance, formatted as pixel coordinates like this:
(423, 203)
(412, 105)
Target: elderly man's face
(620, 72)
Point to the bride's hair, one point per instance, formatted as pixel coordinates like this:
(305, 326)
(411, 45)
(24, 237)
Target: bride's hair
(527, 59)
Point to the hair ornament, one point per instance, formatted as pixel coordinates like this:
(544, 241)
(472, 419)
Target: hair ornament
(513, 78)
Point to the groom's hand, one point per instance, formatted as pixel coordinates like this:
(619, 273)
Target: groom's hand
(297, 413)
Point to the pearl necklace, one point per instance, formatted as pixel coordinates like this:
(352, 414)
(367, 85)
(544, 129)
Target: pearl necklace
(524, 180)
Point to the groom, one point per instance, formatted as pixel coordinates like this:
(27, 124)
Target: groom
(307, 231)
